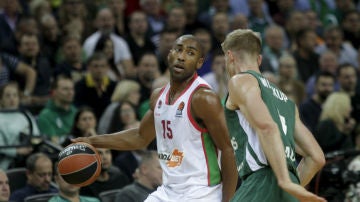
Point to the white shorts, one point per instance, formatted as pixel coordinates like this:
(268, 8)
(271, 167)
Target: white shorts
(200, 194)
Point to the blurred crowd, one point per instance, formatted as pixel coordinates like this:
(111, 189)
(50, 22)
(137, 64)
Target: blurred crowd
(72, 68)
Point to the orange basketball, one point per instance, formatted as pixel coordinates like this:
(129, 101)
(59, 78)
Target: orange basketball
(79, 164)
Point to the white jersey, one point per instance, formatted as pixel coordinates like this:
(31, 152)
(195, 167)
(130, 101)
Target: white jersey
(187, 154)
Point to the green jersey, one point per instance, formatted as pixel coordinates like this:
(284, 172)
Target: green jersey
(249, 154)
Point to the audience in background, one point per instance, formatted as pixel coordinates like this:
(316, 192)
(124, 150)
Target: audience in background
(84, 125)
(68, 192)
(4, 187)
(148, 178)
(15, 127)
(56, 118)
(110, 177)
(39, 175)
(96, 88)
(335, 125)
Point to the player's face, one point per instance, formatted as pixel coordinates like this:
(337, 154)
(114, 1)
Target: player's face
(4, 187)
(184, 59)
(42, 175)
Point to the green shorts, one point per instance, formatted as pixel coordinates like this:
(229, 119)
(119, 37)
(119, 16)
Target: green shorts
(262, 186)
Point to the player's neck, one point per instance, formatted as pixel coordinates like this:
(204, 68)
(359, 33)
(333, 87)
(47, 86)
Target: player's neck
(176, 87)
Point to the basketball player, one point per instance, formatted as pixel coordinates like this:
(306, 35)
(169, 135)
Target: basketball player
(189, 124)
(265, 129)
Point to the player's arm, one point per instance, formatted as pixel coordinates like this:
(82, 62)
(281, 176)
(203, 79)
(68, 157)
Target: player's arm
(131, 139)
(206, 106)
(245, 94)
(306, 145)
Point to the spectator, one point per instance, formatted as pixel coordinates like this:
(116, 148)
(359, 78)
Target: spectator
(335, 125)
(4, 187)
(50, 38)
(126, 90)
(106, 46)
(73, 18)
(204, 36)
(334, 41)
(310, 110)
(68, 192)
(56, 118)
(154, 15)
(306, 59)
(258, 18)
(118, 9)
(29, 50)
(220, 26)
(10, 66)
(39, 8)
(295, 21)
(13, 126)
(239, 21)
(287, 80)
(9, 18)
(148, 178)
(166, 39)
(315, 24)
(274, 48)
(351, 27)
(217, 6)
(124, 117)
(84, 125)
(96, 88)
(327, 63)
(148, 71)
(105, 24)
(176, 20)
(39, 174)
(191, 13)
(110, 177)
(137, 39)
(348, 79)
(217, 78)
(72, 65)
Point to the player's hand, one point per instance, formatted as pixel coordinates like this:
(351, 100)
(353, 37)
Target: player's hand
(301, 193)
(81, 139)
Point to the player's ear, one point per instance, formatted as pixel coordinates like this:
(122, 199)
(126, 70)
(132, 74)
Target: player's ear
(259, 60)
(200, 62)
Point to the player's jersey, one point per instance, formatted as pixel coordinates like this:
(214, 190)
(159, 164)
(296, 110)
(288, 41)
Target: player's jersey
(187, 154)
(249, 154)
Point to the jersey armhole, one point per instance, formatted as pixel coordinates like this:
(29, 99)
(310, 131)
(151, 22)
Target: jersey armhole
(191, 118)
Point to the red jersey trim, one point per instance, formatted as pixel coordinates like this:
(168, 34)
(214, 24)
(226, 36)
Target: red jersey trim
(191, 118)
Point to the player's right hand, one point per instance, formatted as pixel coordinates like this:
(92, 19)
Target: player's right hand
(301, 193)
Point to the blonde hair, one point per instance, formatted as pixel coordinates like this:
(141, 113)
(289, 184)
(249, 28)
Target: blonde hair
(335, 106)
(123, 88)
(244, 40)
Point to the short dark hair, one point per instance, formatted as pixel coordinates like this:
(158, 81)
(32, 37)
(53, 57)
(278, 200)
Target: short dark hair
(344, 66)
(59, 77)
(96, 56)
(31, 160)
(323, 74)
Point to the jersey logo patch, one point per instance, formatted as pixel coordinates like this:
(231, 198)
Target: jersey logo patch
(159, 104)
(180, 109)
(175, 159)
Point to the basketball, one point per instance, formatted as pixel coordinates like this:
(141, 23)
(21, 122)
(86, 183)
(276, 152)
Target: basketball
(79, 164)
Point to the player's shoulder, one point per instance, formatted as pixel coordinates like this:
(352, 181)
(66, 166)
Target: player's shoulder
(242, 82)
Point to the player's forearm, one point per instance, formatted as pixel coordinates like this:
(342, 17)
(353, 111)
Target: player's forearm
(307, 169)
(228, 174)
(273, 148)
(123, 140)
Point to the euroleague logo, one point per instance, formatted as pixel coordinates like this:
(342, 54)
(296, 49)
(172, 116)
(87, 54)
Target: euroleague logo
(180, 109)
